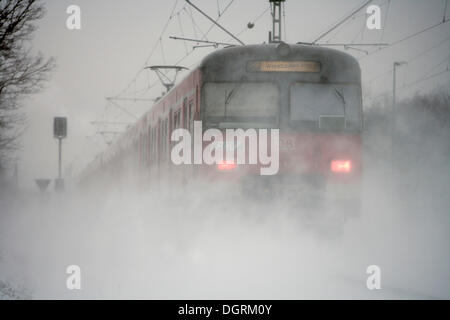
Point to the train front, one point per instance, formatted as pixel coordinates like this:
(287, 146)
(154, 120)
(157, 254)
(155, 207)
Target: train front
(312, 95)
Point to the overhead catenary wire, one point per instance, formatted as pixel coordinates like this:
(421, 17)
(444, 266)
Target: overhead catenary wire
(192, 20)
(201, 41)
(204, 35)
(225, 9)
(408, 37)
(346, 44)
(438, 65)
(188, 53)
(405, 86)
(254, 20)
(386, 17)
(361, 31)
(215, 22)
(152, 51)
(417, 56)
(159, 43)
(426, 77)
(162, 50)
(411, 84)
(414, 58)
(353, 17)
(122, 108)
(195, 27)
(182, 31)
(340, 22)
(445, 11)
(418, 33)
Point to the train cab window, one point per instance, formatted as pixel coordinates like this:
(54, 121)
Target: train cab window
(325, 106)
(241, 105)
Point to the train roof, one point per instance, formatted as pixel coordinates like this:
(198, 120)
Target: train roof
(232, 63)
(272, 51)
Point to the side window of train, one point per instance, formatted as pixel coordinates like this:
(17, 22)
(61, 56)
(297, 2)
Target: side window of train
(166, 138)
(150, 144)
(159, 139)
(155, 139)
(135, 150)
(170, 128)
(163, 136)
(197, 99)
(144, 147)
(163, 139)
(176, 119)
(141, 151)
(185, 118)
(154, 143)
(191, 116)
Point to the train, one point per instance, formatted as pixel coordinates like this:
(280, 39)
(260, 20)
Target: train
(310, 94)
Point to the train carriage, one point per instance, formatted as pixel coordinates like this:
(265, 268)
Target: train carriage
(311, 94)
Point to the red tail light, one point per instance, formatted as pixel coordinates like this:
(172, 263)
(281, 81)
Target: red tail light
(226, 165)
(341, 166)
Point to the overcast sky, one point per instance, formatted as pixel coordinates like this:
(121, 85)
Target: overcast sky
(117, 37)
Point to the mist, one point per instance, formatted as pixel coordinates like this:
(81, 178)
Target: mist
(208, 240)
(213, 243)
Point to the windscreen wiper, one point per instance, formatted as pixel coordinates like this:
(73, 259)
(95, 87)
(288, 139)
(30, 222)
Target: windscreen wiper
(232, 92)
(340, 96)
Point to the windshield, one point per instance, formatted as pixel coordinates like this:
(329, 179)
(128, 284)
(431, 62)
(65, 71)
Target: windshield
(241, 105)
(325, 106)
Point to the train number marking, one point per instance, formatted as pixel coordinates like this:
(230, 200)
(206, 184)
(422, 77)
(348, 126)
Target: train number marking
(287, 144)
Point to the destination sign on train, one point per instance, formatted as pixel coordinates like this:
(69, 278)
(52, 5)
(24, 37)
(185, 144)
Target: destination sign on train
(283, 66)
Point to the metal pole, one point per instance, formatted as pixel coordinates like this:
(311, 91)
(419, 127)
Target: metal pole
(392, 115)
(276, 21)
(393, 88)
(394, 106)
(60, 156)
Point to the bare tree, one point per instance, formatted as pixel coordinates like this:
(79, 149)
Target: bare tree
(22, 72)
